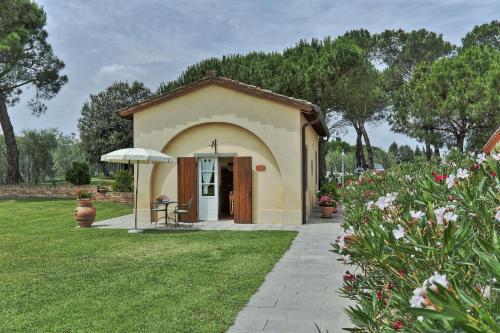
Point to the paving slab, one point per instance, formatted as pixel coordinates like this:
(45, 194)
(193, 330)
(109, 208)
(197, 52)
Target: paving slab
(304, 284)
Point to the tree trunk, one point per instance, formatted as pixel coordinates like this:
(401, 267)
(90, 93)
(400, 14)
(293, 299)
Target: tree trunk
(428, 151)
(436, 151)
(322, 161)
(360, 155)
(13, 174)
(368, 147)
(460, 141)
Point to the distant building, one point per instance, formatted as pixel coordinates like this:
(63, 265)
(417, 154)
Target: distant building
(493, 143)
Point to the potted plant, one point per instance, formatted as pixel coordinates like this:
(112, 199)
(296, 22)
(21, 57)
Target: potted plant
(84, 212)
(328, 206)
(328, 197)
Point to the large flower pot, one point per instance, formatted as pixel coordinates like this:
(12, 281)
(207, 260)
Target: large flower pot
(85, 213)
(327, 212)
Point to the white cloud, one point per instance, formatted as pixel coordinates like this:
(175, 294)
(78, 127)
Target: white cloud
(118, 72)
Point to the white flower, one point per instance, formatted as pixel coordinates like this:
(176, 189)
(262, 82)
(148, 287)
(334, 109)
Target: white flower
(381, 203)
(369, 205)
(439, 215)
(381, 227)
(417, 215)
(450, 216)
(341, 237)
(417, 300)
(420, 318)
(399, 232)
(462, 173)
(386, 201)
(486, 292)
(496, 156)
(391, 197)
(436, 279)
(408, 178)
(450, 181)
(481, 158)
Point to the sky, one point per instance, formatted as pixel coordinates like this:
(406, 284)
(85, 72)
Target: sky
(153, 41)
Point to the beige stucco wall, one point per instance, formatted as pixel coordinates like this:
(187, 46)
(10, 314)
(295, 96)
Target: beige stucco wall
(312, 166)
(246, 125)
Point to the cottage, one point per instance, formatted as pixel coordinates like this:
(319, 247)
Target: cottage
(243, 153)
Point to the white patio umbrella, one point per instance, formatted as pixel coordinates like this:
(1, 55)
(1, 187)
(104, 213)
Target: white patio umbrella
(137, 156)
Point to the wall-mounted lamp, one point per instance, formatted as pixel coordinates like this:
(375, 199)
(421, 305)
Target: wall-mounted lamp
(214, 146)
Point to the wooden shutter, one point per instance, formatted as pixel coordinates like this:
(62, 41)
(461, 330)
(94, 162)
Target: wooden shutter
(242, 184)
(187, 185)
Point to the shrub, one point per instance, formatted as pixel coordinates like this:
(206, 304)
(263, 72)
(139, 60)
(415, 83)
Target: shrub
(424, 238)
(123, 181)
(331, 190)
(79, 174)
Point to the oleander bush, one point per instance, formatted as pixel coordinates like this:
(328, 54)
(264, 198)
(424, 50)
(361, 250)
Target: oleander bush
(423, 243)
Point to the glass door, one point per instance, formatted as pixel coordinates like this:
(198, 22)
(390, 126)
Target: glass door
(207, 189)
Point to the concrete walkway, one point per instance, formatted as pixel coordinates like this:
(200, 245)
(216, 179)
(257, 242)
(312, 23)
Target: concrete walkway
(127, 222)
(301, 290)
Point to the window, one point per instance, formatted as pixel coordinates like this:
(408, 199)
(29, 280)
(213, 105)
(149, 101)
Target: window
(207, 177)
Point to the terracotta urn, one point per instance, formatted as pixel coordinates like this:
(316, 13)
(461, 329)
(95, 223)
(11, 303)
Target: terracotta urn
(85, 213)
(327, 212)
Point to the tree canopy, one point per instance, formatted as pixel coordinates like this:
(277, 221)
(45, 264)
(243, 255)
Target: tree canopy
(454, 95)
(26, 59)
(485, 34)
(101, 129)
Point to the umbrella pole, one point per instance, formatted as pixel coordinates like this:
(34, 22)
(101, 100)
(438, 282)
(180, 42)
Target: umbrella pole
(136, 190)
(135, 230)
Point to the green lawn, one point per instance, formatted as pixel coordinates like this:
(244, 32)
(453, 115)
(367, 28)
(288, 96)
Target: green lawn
(58, 278)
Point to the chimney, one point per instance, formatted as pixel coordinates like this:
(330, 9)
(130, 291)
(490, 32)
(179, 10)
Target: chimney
(211, 73)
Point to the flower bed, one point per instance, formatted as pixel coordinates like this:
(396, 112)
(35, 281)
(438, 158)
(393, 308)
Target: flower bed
(423, 241)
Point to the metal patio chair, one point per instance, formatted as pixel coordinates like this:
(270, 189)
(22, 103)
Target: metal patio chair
(183, 210)
(160, 205)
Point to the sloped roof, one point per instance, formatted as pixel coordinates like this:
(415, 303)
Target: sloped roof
(310, 111)
(495, 138)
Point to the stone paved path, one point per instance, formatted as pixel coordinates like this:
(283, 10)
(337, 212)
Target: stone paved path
(301, 290)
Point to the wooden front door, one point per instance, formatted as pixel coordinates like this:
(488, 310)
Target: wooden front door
(242, 184)
(186, 186)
